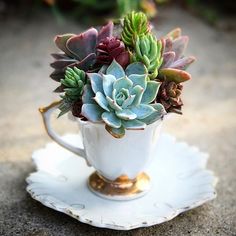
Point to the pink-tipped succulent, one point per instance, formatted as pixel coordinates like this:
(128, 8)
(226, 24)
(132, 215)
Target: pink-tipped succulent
(174, 63)
(78, 50)
(111, 48)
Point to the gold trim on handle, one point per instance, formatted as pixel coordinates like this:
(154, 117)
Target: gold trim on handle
(46, 113)
(45, 109)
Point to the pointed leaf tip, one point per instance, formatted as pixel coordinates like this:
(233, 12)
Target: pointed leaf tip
(83, 44)
(61, 40)
(115, 69)
(105, 31)
(116, 132)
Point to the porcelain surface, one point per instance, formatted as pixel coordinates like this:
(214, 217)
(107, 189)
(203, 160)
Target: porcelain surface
(113, 157)
(180, 181)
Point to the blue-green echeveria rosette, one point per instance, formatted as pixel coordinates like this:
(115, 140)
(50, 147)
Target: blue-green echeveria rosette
(122, 99)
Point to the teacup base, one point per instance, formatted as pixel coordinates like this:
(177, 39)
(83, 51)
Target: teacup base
(121, 188)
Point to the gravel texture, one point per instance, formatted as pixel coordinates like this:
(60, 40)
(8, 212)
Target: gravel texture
(208, 122)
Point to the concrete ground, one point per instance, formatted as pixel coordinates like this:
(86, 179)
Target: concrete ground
(208, 122)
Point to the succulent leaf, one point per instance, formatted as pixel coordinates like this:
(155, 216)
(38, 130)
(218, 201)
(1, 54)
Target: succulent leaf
(150, 92)
(88, 94)
(183, 63)
(175, 33)
(129, 100)
(113, 104)
(179, 45)
(111, 119)
(142, 111)
(156, 115)
(59, 55)
(116, 132)
(139, 80)
(60, 41)
(93, 111)
(96, 82)
(116, 70)
(78, 45)
(138, 92)
(168, 58)
(122, 83)
(176, 75)
(126, 114)
(136, 68)
(62, 63)
(105, 31)
(101, 101)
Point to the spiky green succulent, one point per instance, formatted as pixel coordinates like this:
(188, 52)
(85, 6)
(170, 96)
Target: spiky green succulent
(148, 51)
(73, 86)
(122, 99)
(135, 24)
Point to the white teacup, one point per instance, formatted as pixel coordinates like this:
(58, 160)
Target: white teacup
(119, 163)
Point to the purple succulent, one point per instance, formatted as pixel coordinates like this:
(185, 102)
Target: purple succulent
(78, 50)
(174, 63)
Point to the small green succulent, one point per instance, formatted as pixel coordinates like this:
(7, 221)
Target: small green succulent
(121, 99)
(148, 51)
(135, 24)
(73, 86)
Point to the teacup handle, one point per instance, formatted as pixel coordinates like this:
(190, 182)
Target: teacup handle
(46, 114)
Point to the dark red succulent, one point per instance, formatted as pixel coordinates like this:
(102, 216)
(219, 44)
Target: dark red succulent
(76, 108)
(174, 62)
(111, 48)
(169, 96)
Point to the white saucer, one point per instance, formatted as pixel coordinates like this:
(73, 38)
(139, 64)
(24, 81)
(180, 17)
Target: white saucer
(180, 181)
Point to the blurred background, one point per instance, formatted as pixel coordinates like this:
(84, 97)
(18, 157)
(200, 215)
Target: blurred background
(27, 29)
(219, 13)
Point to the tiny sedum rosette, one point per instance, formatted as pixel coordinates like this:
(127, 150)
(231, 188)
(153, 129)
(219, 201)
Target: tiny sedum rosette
(125, 81)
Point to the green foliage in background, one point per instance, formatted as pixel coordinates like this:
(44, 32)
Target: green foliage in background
(88, 10)
(97, 5)
(126, 6)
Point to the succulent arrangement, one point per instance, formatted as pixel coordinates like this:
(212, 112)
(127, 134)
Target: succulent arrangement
(125, 80)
